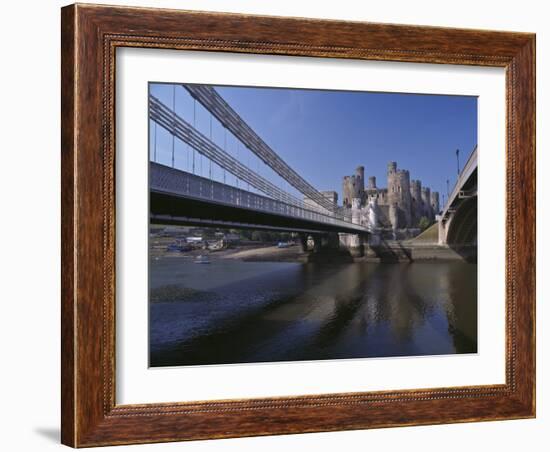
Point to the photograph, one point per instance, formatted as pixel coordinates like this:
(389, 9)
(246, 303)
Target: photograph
(291, 224)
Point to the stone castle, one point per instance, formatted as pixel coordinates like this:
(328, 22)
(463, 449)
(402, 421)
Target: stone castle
(399, 206)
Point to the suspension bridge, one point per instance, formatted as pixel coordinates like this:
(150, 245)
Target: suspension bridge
(273, 196)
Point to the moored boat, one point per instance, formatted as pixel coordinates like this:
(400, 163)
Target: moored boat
(202, 260)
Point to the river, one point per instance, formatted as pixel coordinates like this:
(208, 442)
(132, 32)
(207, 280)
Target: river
(231, 311)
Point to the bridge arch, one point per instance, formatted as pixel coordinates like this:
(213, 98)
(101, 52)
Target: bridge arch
(462, 226)
(458, 220)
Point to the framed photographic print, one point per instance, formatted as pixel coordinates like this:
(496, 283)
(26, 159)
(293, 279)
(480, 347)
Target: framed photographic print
(281, 225)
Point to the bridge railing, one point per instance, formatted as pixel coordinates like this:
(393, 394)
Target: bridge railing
(467, 170)
(172, 181)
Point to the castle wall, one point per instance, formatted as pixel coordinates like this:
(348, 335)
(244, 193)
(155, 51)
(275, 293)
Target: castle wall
(393, 215)
(381, 194)
(384, 216)
(427, 204)
(330, 195)
(383, 197)
(416, 202)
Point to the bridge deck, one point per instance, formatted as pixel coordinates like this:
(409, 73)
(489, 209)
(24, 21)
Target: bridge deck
(470, 169)
(168, 183)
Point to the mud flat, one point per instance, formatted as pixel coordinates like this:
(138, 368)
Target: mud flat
(263, 254)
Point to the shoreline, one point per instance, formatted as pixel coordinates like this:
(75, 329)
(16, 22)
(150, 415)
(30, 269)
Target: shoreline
(398, 252)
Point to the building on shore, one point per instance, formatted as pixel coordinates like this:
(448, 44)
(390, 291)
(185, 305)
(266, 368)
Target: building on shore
(400, 205)
(329, 195)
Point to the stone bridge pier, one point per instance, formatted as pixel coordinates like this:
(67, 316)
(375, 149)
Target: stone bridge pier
(318, 242)
(356, 243)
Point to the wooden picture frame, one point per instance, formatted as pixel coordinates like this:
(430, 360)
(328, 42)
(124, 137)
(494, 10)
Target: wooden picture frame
(90, 36)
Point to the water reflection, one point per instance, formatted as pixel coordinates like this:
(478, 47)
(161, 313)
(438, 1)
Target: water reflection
(239, 312)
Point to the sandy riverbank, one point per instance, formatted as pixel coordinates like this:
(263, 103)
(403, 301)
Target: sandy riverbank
(248, 252)
(263, 254)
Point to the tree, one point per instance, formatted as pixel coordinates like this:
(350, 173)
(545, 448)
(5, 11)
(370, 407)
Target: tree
(244, 233)
(423, 223)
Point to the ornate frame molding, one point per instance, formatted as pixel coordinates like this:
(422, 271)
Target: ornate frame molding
(90, 37)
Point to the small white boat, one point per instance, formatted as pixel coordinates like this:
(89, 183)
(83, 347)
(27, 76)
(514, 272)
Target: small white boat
(202, 260)
(283, 245)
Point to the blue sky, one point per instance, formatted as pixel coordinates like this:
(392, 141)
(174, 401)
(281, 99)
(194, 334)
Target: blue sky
(325, 135)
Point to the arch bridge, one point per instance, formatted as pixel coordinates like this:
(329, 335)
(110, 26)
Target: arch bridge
(458, 219)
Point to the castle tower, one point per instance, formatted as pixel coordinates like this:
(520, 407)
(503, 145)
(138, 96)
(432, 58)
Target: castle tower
(353, 187)
(416, 202)
(399, 193)
(349, 190)
(427, 203)
(360, 180)
(404, 196)
(392, 170)
(435, 202)
(345, 192)
(372, 183)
